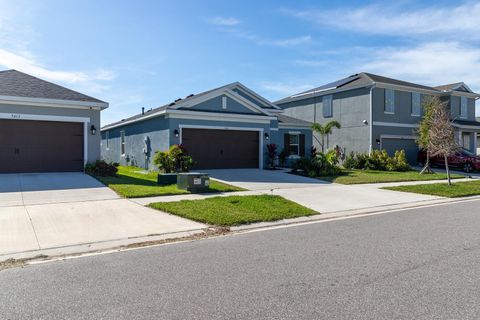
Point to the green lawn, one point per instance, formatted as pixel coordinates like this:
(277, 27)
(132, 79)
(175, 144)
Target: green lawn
(457, 189)
(130, 183)
(374, 176)
(235, 210)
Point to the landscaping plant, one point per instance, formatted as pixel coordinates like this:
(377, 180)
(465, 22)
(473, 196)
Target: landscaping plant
(322, 164)
(174, 160)
(377, 160)
(325, 130)
(423, 132)
(441, 140)
(101, 168)
(271, 155)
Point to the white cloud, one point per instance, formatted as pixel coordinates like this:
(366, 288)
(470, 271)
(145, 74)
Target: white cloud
(460, 20)
(286, 42)
(432, 63)
(92, 82)
(311, 63)
(284, 89)
(225, 21)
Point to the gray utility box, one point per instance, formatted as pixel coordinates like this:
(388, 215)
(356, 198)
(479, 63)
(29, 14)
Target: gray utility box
(165, 179)
(194, 182)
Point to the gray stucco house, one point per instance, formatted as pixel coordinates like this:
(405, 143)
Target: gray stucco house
(45, 127)
(377, 112)
(226, 127)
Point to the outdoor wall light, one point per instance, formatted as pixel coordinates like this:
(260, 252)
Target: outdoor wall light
(365, 122)
(378, 141)
(267, 136)
(176, 133)
(93, 129)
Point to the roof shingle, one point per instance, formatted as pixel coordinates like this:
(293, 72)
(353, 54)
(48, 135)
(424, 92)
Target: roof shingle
(18, 84)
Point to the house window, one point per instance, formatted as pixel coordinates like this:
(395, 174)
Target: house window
(466, 141)
(463, 107)
(416, 105)
(327, 106)
(122, 142)
(224, 103)
(294, 144)
(389, 101)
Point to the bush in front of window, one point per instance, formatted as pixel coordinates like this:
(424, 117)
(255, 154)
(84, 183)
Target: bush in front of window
(322, 164)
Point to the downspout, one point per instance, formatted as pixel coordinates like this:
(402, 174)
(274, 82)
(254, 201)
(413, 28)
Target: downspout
(370, 149)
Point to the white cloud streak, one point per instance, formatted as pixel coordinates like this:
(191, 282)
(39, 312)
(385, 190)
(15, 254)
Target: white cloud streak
(432, 63)
(460, 20)
(224, 21)
(27, 62)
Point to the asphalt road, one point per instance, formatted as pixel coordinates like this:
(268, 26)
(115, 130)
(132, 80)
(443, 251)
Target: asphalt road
(416, 264)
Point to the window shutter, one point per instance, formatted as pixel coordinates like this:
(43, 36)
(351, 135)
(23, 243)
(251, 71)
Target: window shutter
(286, 143)
(302, 145)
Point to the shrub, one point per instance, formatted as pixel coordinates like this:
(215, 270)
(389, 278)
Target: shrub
(377, 160)
(101, 168)
(173, 160)
(271, 154)
(322, 164)
(282, 157)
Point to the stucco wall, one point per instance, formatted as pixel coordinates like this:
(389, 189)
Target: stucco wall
(155, 130)
(349, 108)
(93, 141)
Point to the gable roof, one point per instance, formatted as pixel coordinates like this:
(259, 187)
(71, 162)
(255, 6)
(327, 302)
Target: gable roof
(386, 80)
(454, 86)
(193, 99)
(14, 83)
(283, 119)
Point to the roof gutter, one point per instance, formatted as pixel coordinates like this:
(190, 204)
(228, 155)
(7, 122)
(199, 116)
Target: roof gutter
(43, 102)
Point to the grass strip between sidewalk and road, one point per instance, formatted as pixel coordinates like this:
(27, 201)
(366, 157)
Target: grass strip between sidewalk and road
(235, 210)
(376, 176)
(456, 190)
(132, 182)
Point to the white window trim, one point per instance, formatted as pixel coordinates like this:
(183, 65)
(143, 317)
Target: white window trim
(41, 117)
(420, 106)
(260, 136)
(123, 143)
(295, 144)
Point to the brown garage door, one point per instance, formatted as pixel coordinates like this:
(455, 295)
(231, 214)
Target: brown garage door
(40, 146)
(221, 149)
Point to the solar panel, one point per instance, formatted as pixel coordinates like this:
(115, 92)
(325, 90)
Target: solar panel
(329, 86)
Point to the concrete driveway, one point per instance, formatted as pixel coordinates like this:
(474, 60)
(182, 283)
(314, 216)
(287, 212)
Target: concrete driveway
(318, 195)
(54, 210)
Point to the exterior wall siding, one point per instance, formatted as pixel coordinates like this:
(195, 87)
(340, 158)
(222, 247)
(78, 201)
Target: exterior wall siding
(215, 104)
(349, 108)
(94, 116)
(155, 131)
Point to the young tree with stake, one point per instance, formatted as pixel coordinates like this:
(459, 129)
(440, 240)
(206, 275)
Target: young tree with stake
(423, 132)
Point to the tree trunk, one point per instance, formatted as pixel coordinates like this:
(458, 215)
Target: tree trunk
(426, 167)
(448, 170)
(323, 143)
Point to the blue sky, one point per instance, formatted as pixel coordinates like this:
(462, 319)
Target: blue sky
(136, 54)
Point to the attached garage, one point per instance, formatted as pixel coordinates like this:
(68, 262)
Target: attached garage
(41, 146)
(392, 144)
(222, 149)
(45, 127)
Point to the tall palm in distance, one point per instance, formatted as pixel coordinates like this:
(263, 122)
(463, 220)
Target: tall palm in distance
(325, 130)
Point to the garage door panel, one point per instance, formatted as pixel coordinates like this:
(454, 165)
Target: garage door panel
(215, 149)
(408, 145)
(40, 146)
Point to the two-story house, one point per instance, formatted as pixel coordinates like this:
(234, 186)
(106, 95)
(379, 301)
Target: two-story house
(377, 112)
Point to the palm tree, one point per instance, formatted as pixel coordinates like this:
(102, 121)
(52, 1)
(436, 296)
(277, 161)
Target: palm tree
(325, 130)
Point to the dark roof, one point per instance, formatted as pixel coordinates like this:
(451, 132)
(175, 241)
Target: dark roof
(286, 119)
(354, 81)
(448, 87)
(467, 122)
(382, 79)
(18, 84)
